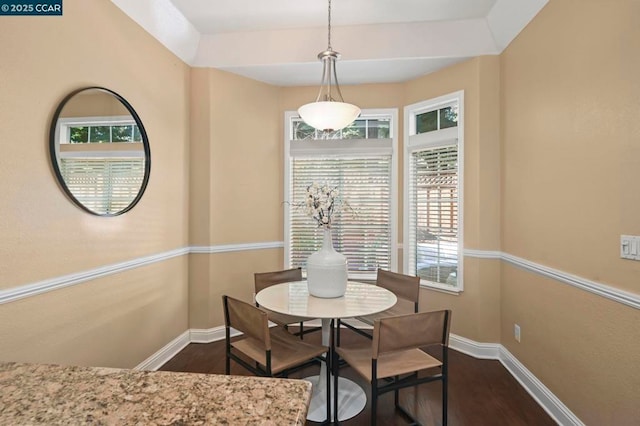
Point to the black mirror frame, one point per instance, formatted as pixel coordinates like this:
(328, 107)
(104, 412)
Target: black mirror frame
(54, 160)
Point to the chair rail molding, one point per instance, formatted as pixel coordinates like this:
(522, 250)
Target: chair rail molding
(39, 287)
(225, 248)
(23, 291)
(599, 289)
(33, 289)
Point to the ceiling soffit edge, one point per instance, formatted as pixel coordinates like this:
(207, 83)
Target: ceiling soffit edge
(259, 54)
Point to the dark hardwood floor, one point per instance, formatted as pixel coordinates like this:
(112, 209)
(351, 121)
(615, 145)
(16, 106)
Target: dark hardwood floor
(481, 392)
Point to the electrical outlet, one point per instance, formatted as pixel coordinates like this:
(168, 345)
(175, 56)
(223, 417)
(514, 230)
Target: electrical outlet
(516, 332)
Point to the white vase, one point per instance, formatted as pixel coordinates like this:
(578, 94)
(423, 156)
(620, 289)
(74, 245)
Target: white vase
(327, 270)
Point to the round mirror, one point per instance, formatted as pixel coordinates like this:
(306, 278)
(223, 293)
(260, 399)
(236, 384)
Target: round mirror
(99, 151)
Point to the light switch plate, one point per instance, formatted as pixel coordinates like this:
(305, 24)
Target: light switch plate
(630, 247)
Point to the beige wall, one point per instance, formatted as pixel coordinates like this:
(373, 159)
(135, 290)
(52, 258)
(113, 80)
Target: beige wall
(570, 161)
(237, 190)
(121, 319)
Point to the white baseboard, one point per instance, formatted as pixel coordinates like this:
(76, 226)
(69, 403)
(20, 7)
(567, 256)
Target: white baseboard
(208, 335)
(167, 352)
(547, 400)
(473, 348)
(538, 391)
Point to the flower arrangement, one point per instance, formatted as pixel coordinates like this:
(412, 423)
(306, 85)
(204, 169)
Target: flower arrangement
(322, 202)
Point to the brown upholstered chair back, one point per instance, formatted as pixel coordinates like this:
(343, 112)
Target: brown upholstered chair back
(404, 332)
(404, 286)
(248, 319)
(263, 280)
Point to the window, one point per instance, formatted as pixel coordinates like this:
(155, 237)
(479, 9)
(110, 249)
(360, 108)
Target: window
(362, 128)
(433, 191)
(436, 119)
(360, 161)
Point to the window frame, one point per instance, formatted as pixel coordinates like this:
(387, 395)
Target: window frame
(414, 142)
(392, 114)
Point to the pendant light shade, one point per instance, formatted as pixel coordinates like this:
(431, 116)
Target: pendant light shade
(329, 112)
(328, 115)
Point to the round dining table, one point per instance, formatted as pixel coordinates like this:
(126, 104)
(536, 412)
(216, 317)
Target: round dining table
(359, 299)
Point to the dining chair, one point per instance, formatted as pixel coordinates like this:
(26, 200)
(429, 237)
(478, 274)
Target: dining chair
(407, 290)
(395, 357)
(263, 280)
(276, 352)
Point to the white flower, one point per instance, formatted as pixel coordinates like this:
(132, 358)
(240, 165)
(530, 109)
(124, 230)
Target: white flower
(322, 202)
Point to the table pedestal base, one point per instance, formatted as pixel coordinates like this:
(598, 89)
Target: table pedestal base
(351, 399)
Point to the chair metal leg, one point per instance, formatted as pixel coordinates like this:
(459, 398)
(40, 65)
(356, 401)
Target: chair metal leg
(374, 403)
(445, 383)
(227, 338)
(444, 401)
(336, 381)
(396, 394)
(374, 391)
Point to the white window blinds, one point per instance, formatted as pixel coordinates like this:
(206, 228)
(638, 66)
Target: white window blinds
(103, 184)
(433, 215)
(364, 235)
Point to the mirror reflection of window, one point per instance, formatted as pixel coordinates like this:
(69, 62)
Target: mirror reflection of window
(103, 184)
(100, 153)
(111, 130)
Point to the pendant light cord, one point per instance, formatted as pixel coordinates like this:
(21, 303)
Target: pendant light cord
(328, 113)
(329, 27)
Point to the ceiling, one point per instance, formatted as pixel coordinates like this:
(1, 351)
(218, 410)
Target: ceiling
(381, 41)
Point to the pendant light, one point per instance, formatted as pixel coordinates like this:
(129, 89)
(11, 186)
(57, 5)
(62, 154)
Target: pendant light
(329, 112)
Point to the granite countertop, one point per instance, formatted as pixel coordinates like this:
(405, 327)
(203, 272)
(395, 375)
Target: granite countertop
(49, 394)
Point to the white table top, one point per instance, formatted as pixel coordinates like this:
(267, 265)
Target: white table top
(293, 298)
